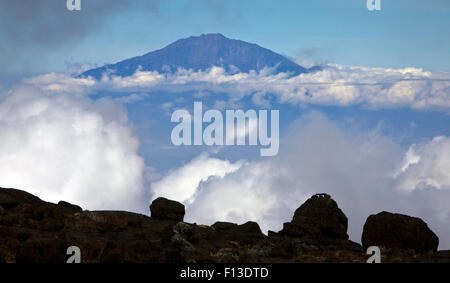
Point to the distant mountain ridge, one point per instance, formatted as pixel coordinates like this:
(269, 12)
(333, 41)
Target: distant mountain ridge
(201, 53)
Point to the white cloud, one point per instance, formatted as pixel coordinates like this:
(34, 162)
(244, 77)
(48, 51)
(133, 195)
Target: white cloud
(427, 165)
(181, 184)
(139, 79)
(64, 147)
(61, 83)
(334, 85)
(356, 168)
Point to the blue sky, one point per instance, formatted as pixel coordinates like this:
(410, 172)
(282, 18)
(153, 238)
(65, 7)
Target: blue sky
(403, 34)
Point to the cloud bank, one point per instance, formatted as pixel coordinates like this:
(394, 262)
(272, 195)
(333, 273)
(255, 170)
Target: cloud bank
(375, 88)
(364, 171)
(64, 147)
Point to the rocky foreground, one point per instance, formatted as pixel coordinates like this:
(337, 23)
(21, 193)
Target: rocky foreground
(32, 230)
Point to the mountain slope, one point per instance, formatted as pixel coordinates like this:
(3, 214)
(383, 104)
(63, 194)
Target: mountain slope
(201, 53)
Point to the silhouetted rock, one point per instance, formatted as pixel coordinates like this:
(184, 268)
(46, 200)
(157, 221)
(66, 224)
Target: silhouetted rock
(249, 228)
(318, 217)
(164, 209)
(10, 198)
(32, 230)
(398, 231)
(221, 226)
(70, 207)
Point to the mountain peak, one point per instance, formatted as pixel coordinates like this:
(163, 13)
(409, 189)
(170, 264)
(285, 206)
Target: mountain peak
(201, 53)
(212, 35)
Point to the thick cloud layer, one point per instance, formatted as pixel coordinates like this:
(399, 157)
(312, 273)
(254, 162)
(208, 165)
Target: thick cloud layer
(335, 85)
(364, 171)
(61, 147)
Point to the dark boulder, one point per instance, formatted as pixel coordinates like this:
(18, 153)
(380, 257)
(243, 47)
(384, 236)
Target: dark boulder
(398, 231)
(248, 228)
(69, 207)
(164, 209)
(319, 217)
(224, 226)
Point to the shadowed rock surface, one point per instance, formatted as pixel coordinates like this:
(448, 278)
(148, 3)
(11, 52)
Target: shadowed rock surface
(164, 209)
(319, 217)
(397, 231)
(32, 230)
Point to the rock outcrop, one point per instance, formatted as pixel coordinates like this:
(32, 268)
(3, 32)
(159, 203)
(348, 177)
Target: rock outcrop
(32, 230)
(319, 217)
(164, 209)
(397, 231)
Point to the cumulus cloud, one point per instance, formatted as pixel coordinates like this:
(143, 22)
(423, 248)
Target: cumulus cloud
(426, 165)
(360, 169)
(182, 183)
(58, 83)
(66, 147)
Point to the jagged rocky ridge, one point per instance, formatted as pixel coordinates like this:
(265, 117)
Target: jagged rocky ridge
(32, 230)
